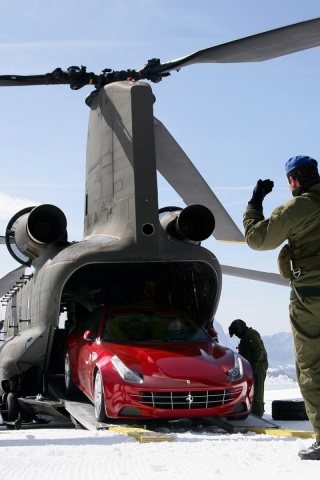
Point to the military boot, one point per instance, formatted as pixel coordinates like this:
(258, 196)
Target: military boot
(311, 453)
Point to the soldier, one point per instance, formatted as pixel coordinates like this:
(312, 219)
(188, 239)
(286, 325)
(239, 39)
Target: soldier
(298, 222)
(252, 348)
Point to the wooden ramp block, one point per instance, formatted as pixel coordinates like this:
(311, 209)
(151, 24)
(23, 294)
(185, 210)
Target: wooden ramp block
(282, 432)
(142, 435)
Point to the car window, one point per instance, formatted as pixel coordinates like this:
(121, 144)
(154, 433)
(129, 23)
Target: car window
(93, 321)
(151, 326)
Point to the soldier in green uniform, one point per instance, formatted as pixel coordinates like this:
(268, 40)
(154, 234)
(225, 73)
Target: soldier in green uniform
(297, 221)
(251, 347)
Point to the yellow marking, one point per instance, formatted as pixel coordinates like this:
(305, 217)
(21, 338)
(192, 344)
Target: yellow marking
(142, 435)
(282, 433)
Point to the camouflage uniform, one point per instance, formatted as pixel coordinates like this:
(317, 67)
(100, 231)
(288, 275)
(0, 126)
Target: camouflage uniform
(252, 348)
(298, 221)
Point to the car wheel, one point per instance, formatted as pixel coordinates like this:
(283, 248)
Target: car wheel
(68, 378)
(98, 398)
(289, 410)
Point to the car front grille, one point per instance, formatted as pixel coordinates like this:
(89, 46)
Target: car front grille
(187, 400)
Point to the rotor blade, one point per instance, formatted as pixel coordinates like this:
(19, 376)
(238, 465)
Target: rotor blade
(10, 279)
(179, 171)
(76, 77)
(256, 275)
(255, 48)
(22, 80)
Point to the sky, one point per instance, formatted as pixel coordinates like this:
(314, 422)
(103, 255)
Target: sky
(70, 454)
(236, 122)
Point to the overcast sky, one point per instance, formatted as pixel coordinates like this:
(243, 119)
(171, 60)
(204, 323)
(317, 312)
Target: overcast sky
(237, 122)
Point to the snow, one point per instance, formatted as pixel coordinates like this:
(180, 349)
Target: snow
(62, 452)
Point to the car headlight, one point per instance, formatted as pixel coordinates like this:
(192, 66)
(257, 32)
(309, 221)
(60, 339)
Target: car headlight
(125, 372)
(236, 372)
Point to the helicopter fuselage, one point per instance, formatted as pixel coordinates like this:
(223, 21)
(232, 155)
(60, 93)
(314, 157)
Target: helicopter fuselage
(124, 240)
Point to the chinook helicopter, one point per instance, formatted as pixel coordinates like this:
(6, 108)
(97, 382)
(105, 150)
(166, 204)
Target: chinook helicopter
(125, 234)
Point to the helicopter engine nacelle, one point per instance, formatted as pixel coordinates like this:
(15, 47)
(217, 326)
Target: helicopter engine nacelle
(32, 229)
(194, 223)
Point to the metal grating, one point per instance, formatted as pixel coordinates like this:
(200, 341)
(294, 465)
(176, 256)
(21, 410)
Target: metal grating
(187, 400)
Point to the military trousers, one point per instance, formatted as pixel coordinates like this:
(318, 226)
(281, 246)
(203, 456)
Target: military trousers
(305, 324)
(258, 395)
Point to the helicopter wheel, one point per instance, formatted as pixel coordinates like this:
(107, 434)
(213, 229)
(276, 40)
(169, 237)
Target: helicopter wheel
(13, 408)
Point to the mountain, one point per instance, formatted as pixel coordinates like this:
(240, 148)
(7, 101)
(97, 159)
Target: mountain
(280, 351)
(279, 347)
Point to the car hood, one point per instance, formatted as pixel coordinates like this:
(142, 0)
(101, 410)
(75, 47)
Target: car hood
(203, 362)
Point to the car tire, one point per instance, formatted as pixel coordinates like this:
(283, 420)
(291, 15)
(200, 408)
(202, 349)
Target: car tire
(68, 377)
(288, 410)
(98, 398)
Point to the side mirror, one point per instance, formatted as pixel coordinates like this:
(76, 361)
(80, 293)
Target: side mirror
(89, 335)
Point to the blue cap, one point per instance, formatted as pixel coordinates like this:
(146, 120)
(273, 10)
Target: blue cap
(298, 162)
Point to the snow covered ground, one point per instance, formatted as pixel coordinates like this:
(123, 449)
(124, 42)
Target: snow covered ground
(65, 453)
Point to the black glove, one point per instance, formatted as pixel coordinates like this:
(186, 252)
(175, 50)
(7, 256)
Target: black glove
(262, 189)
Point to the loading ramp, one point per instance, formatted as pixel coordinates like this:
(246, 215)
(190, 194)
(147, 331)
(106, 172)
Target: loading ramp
(240, 426)
(81, 412)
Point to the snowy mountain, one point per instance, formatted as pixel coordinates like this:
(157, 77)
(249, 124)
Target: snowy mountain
(279, 347)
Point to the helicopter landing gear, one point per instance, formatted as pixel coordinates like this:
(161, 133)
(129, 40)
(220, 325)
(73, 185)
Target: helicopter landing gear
(10, 411)
(13, 409)
(10, 408)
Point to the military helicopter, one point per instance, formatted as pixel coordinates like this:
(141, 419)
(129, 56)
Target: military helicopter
(125, 233)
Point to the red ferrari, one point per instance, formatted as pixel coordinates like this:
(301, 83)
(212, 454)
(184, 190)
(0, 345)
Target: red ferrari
(151, 363)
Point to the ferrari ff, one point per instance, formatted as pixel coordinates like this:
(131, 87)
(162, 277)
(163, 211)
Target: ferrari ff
(152, 363)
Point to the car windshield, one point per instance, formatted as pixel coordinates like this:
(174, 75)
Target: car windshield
(151, 326)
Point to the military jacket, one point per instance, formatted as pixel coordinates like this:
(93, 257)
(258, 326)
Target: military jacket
(252, 348)
(298, 221)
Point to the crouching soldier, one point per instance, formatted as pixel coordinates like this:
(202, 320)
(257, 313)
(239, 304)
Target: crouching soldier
(251, 347)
